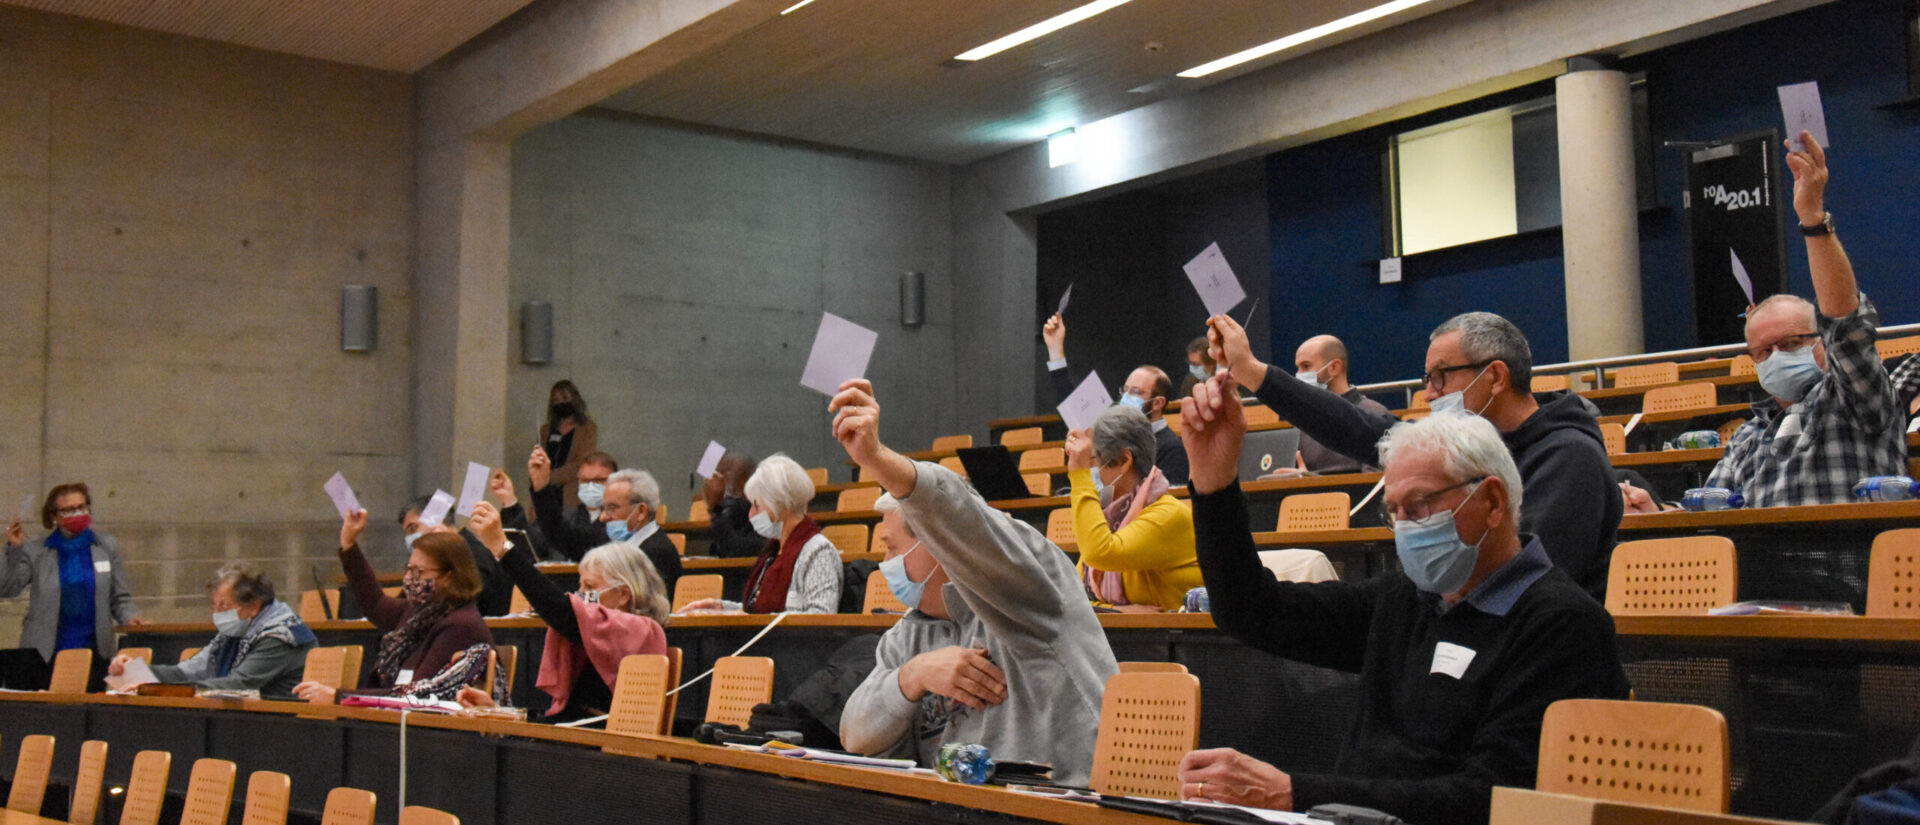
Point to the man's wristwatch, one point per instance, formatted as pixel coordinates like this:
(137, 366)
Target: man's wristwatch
(1824, 227)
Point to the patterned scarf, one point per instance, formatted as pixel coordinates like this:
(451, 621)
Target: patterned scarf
(1105, 585)
(400, 643)
(276, 621)
(468, 667)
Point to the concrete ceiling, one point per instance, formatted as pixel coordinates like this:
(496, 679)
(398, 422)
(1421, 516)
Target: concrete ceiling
(878, 75)
(397, 35)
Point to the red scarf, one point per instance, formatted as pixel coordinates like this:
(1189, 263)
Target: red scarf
(766, 590)
(607, 636)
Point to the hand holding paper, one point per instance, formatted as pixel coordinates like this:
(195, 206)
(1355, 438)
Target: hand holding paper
(344, 500)
(134, 673)
(841, 350)
(1085, 403)
(1800, 103)
(472, 489)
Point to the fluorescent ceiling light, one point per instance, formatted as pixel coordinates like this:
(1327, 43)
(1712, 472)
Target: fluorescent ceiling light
(1040, 29)
(1300, 37)
(1062, 148)
(797, 6)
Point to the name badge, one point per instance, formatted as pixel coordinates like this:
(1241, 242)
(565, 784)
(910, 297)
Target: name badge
(1451, 659)
(103, 567)
(405, 678)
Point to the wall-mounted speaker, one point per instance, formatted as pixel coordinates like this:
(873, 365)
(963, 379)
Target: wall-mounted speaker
(536, 332)
(913, 299)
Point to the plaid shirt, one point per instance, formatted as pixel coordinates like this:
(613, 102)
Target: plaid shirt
(1906, 385)
(1846, 428)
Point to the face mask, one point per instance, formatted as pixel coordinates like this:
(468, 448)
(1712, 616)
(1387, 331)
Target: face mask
(1311, 377)
(419, 591)
(903, 586)
(413, 537)
(79, 524)
(1789, 375)
(1134, 401)
(1455, 402)
(1101, 488)
(1198, 371)
(593, 596)
(229, 623)
(617, 530)
(765, 525)
(593, 494)
(1431, 552)
(561, 410)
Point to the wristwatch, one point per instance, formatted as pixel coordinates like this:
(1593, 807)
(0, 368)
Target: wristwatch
(1824, 227)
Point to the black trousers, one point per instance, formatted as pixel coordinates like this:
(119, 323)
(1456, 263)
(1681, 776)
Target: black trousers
(24, 669)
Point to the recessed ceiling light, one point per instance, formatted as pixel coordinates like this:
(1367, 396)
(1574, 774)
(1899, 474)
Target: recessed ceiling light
(1300, 37)
(797, 6)
(1040, 29)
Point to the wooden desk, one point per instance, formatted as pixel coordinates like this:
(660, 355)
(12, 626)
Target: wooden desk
(1859, 632)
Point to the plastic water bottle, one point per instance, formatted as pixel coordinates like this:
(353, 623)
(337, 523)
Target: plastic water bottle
(1704, 499)
(1695, 440)
(1886, 488)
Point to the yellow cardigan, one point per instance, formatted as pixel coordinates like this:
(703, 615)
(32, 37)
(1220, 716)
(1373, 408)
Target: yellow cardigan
(1154, 554)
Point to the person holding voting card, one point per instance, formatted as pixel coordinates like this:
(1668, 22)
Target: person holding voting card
(259, 642)
(1135, 538)
(1458, 655)
(77, 590)
(799, 569)
(1147, 389)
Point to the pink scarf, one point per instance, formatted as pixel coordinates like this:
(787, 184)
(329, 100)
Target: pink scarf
(607, 635)
(1106, 585)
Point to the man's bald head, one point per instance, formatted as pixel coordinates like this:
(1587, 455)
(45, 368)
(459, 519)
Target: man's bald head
(1326, 357)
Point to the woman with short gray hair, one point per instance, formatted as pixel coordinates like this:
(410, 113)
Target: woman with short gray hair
(1135, 538)
(259, 642)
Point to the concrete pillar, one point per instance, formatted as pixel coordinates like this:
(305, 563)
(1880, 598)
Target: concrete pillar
(1598, 210)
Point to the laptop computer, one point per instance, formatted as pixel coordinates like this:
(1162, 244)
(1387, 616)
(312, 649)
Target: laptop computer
(993, 472)
(1268, 451)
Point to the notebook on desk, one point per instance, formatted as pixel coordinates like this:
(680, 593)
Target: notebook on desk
(993, 472)
(1268, 451)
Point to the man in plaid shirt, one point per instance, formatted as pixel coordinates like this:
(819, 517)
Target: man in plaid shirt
(1833, 418)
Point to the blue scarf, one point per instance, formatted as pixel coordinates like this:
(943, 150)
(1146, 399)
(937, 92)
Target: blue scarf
(75, 553)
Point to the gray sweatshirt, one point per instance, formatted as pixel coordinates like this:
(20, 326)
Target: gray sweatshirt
(1014, 593)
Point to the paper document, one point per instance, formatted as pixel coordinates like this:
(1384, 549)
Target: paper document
(1632, 423)
(1215, 281)
(841, 350)
(437, 507)
(26, 508)
(710, 460)
(1263, 813)
(473, 489)
(1085, 404)
(1063, 300)
(134, 674)
(1800, 103)
(1740, 276)
(342, 495)
(1389, 270)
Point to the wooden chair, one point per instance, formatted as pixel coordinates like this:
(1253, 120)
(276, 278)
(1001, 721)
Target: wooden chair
(1314, 511)
(1044, 458)
(30, 774)
(209, 793)
(1298, 565)
(1742, 365)
(507, 656)
(1727, 430)
(639, 696)
(87, 783)
(1893, 347)
(1646, 752)
(674, 658)
(268, 795)
(1152, 667)
(348, 806)
(1615, 436)
(144, 654)
(952, 442)
(328, 666)
(1060, 529)
(188, 653)
(847, 538)
(1683, 397)
(1039, 484)
(518, 603)
(312, 607)
(953, 463)
(694, 588)
(739, 683)
(1022, 437)
(1148, 721)
(877, 541)
(1261, 414)
(818, 474)
(418, 815)
(857, 499)
(1647, 375)
(679, 542)
(880, 596)
(1893, 575)
(697, 511)
(147, 788)
(1549, 383)
(1686, 575)
(1419, 402)
(71, 671)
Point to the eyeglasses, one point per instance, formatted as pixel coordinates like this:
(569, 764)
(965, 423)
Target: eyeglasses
(1438, 377)
(1124, 390)
(1787, 343)
(70, 512)
(421, 572)
(1420, 506)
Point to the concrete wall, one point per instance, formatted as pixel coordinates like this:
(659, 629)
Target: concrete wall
(688, 270)
(176, 220)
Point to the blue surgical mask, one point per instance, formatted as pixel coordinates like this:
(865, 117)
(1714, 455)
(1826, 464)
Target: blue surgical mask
(903, 586)
(592, 494)
(1101, 488)
(1198, 371)
(1311, 377)
(617, 530)
(1789, 375)
(228, 623)
(1134, 401)
(765, 525)
(1431, 552)
(1456, 402)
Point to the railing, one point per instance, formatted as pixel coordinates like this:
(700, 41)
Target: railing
(1598, 365)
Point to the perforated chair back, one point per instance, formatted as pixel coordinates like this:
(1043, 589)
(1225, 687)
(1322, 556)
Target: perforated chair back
(1742, 365)
(1615, 436)
(1729, 428)
(953, 463)
(1682, 575)
(1646, 375)
(328, 666)
(312, 609)
(1893, 575)
(1259, 414)
(1649, 753)
(144, 654)
(209, 793)
(1674, 399)
(1298, 565)
(1152, 667)
(818, 475)
(1038, 484)
(880, 596)
(1548, 383)
(858, 498)
(694, 588)
(952, 442)
(674, 659)
(71, 670)
(739, 683)
(1891, 347)
(268, 793)
(88, 781)
(146, 788)
(30, 774)
(1060, 528)
(419, 815)
(1044, 458)
(1419, 402)
(1022, 437)
(847, 538)
(1314, 511)
(188, 653)
(697, 511)
(1147, 722)
(639, 696)
(348, 806)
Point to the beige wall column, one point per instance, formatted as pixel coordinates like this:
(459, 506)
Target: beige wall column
(1600, 222)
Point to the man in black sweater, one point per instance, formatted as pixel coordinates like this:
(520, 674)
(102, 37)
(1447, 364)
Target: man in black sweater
(1479, 363)
(1458, 656)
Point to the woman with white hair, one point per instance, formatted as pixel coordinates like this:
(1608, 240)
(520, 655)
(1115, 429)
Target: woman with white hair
(617, 613)
(1135, 538)
(798, 570)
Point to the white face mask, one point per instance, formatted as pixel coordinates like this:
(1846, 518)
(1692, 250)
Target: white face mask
(765, 525)
(1198, 371)
(228, 623)
(1456, 401)
(1311, 377)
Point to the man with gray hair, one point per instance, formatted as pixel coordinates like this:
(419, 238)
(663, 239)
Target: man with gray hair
(1478, 363)
(1458, 658)
(627, 513)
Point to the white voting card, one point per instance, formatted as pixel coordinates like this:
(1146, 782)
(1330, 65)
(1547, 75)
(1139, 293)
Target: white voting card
(1740, 276)
(1063, 300)
(472, 489)
(841, 350)
(1215, 281)
(437, 507)
(133, 674)
(342, 495)
(1800, 103)
(1085, 404)
(710, 460)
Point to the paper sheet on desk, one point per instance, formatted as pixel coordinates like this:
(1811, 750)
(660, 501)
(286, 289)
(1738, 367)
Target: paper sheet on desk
(837, 757)
(1263, 813)
(134, 674)
(841, 350)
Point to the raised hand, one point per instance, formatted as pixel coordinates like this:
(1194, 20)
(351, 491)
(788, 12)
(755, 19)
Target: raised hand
(1055, 334)
(539, 469)
(1227, 345)
(500, 486)
(1809, 180)
(1080, 449)
(351, 527)
(485, 526)
(1212, 426)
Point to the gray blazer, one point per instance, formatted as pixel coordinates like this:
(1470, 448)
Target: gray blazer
(38, 566)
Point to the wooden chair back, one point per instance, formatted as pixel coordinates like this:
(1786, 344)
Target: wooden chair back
(144, 654)
(1260, 414)
(30, 774)
(818, 475)
(847, 538)
(1727, 430)
(952, 442)
(1893, 575)
(639, 696)
(1742, 365)
(679, 542)
(1314, 511)
(1686, 575)
(328, 666)
(739, 683)
(312, 608)
(504, 656)
(1549, 383)
(1148, 721)
(348, 806)
(188, 653)
(1892, 347)
(1038, 484)
(674, 659)
(1615, 436)
(71, 671)
(146, 788)
(1683, 397)
(1152, 667)
(1060, 528)
(694, 588)
(1647, 375)
(1044, 458)
(88, 781)
(1651, 753)
(697, 511)
(1022, 437)
(1419, 401)
(268, 795)
(953, 463)
(420, 815)
(209, 792)
(858, 498)
(880, 596)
